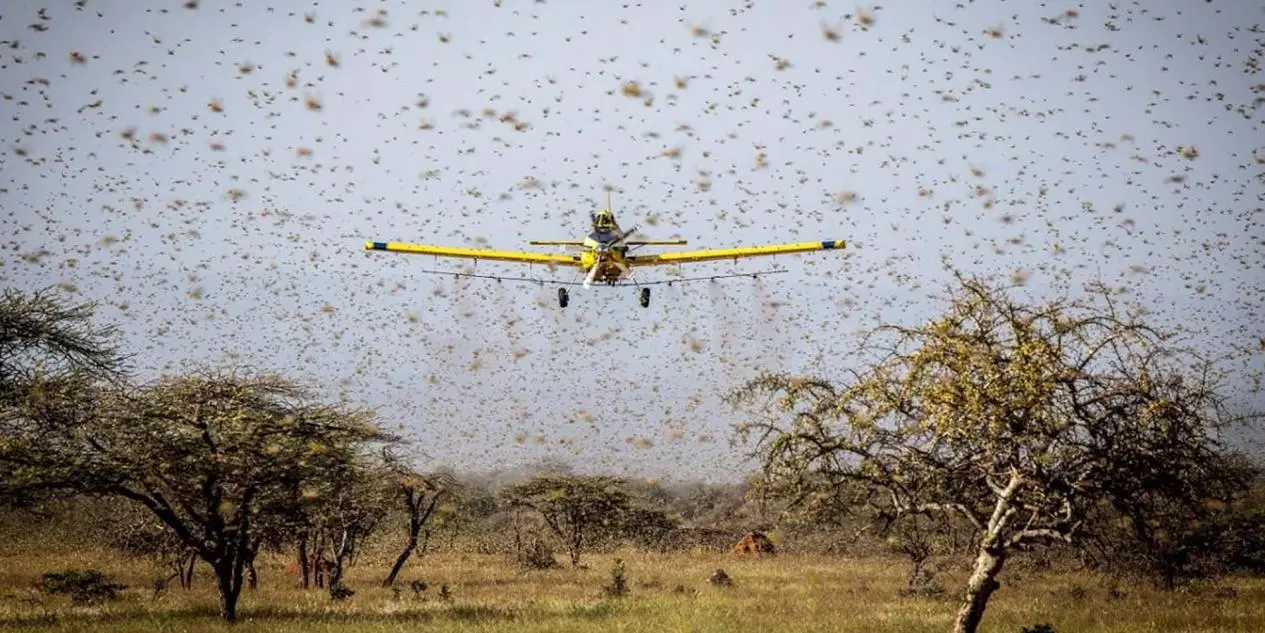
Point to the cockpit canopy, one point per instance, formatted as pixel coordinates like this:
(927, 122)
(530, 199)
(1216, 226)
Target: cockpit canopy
(604, 220)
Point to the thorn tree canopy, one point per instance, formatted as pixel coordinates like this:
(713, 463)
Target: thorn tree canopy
(1016, 418)
(573, 506)
(217, 456)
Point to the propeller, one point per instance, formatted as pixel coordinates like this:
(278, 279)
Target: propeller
(597, 265)
(623, 237)
(601, 257)
(625, 269)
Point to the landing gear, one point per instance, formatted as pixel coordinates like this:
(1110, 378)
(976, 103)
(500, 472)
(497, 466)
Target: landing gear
(645, 297)
(563, 297)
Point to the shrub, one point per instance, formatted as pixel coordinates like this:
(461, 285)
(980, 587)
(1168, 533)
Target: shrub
(340, 592)
(619, 584)
(1038, 628)
(84, 586)
(929, 589)
(537, 555)
(922, 584)
(720, 579)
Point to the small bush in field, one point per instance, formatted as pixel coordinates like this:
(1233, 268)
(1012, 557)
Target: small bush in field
(929, 589)
(619, 584)
(720, 579)
(84, 586)
(538, 555)
(1038, 628)
(1115, 592)
(1225, 592)
(922, 584)
(341, 592)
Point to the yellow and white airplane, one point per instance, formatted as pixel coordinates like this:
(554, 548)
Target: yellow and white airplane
(604, 256)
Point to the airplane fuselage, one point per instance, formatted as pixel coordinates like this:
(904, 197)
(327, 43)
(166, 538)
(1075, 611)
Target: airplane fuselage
(610, 271)
(601, 248)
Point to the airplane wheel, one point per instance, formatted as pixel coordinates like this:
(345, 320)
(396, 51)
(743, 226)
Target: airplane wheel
(562, 297)
(645, 297)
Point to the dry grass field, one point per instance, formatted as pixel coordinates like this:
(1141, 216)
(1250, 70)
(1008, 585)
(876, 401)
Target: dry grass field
(785, 593)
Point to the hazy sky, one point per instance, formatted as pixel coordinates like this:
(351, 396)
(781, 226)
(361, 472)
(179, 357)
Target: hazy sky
(211, 174)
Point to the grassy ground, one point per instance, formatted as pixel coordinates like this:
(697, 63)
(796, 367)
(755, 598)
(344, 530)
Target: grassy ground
(784, 593)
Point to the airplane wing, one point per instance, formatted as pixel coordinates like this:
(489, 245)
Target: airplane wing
(472, 253)
(655, 242)
(733, 253)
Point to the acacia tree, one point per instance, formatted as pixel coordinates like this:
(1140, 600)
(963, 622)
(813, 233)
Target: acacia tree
(213, 455)
(135, 530)
(347, 509)
(1168, 537)
(420, 496)
(48, 347)
(43, 337)
(574, 507)
(1016, 418)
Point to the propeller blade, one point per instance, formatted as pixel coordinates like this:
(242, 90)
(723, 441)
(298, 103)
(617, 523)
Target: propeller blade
(597, 265)
(626, 270)
(623, 237)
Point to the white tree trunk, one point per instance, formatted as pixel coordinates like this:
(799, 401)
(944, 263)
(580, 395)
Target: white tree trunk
(992, 555)
(979, 589)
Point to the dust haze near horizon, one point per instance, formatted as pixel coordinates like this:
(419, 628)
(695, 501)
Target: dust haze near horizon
(211, 174)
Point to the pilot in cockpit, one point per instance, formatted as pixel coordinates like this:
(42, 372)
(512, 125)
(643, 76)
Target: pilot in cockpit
(603, 227)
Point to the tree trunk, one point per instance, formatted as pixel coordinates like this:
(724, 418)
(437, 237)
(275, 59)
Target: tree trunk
(915, 580)
(186, 570)
(980, 588)
(399, 561)
(1168, 577)
(252, 577)
(318, 562)
(335, 577)
(992, 555)
(518, 539)
(414, 526)
(305, 565)
(577, 542)
(228, 577)
(340, 558)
